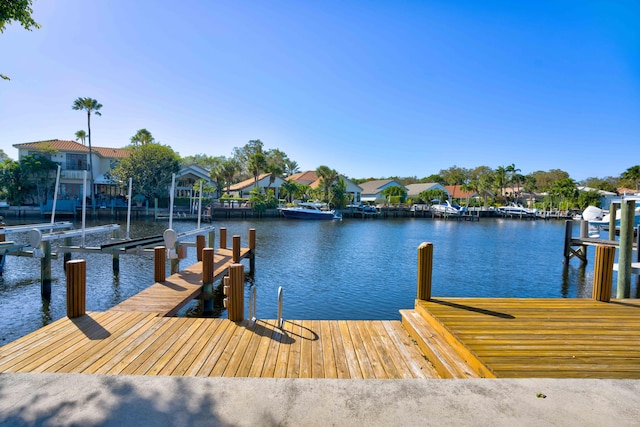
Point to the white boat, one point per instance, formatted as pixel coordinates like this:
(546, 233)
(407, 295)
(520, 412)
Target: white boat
(516, 209)
(310, 211)
(447, 208)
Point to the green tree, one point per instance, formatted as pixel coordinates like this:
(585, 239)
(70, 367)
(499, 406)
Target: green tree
(228, 169)
(632, 176)
(545, 180)
(256, 164)
(39, 173)
(327, 177)
(289, 190)
(19, 11)
(455, 175)
(500, 177)
(89, 105)
(338, 196)
(429, 195)
(142, 137)
(81, 136)
(290, 167)
(395, 191)
(13, 183)
(151, 167)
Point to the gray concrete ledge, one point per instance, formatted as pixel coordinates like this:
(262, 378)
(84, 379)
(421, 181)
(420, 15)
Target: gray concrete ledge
(97, 400)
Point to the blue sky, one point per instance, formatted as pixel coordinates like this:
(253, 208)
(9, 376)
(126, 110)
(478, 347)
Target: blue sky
(369, 88)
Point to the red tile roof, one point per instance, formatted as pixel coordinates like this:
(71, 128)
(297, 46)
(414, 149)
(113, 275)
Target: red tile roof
(63, 145)
(306, 177)
(457, 192)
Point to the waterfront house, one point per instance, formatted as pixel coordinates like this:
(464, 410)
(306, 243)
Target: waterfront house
(265, 181)
(188, 176)
(414, 190)
(311, 179)
(372, 190)
(73, 159)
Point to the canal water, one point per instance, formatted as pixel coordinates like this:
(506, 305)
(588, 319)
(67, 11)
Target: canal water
(350, 269)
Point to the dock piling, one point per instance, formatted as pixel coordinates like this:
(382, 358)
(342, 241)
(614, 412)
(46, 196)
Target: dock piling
(159, 263)
(252, 248)
(626, 248)
(76, 288)
(425, 269)
(223, 238)
(45, 270)
(235, 248)
(208, 269)
(603, 272)
(200, 242)
(235, 296)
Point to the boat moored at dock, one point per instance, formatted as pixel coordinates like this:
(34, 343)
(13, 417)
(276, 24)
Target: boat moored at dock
(310, 211)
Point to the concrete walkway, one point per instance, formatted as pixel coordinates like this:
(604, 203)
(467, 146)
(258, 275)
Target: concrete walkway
(96, 400)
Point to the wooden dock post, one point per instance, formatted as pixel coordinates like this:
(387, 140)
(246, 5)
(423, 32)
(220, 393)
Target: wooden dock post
(45, 270)
(252, 248)
(425, 269)
(76, 288)
(200, 241)
(208, 269)
(67, 255)
(235, 241)
(603, 272)
(638, 244)
(568, 232)
(212, 239)
(235, 293)
(115, 262)
(159, 264)
(613, 208)
(223, 238)
(626, 249)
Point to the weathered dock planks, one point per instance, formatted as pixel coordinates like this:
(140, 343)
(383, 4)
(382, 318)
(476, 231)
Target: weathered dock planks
(543, 338)
(120, 343)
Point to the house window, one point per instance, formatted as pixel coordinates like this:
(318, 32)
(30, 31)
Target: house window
(76, 162)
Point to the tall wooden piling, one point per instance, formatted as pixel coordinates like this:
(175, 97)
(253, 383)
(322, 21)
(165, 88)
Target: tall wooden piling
(235, 295)
(626, 248)
(159, 264)
(568, 232)
(252, 251)
(67, 255)
(200, 241)
(235, 245)
(638, 244)
(208, 269)
(212, 239)
(603, 272)
(613, 209)
(115, 257)
(76, 271)
(223, 238)
(45, 270)
(425, 269)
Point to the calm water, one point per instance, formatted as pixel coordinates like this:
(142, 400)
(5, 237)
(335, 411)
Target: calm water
(351, 269)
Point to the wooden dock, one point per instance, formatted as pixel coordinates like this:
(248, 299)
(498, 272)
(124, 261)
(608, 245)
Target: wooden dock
(538, 338)
(168, 297)
(134, 343)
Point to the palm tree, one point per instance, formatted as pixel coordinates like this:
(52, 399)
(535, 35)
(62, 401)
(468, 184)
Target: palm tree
(291, 167)
(228, 169)
(88, 105)
(500, 179)
(327, 177)
(81, 135)
(142, 137)
(632, 175)
(256, 164)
